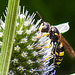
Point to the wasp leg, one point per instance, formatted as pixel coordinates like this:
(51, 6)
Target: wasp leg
(48, 56)
(43, 47)
(44, 42)
(46, 34)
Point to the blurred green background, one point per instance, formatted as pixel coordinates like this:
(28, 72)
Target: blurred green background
(55, 12)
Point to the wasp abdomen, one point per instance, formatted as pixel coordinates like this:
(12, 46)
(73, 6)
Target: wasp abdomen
(59, 54)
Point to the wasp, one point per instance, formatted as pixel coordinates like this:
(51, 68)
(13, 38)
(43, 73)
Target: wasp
(57, 39)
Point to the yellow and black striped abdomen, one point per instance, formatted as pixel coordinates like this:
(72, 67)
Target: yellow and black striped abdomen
(59, 53)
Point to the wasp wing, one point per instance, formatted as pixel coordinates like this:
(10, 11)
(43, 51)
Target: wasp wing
(64, 27)
(67, 47)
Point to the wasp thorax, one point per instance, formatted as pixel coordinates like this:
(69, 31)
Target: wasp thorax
(53, 34)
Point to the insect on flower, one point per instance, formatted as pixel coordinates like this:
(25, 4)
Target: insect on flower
(59, 42)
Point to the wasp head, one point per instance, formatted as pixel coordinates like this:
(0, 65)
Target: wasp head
(44, 27)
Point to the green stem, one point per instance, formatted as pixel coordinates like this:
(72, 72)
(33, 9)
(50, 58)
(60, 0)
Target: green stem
(8, 38)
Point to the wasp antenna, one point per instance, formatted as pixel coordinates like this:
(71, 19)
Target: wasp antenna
(40, 16)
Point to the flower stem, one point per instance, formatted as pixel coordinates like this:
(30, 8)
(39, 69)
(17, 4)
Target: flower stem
(8, 36)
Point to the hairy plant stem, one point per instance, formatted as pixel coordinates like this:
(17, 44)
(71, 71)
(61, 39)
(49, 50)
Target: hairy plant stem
(8, 36)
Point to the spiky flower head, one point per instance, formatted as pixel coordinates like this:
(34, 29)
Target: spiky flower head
(26, 59)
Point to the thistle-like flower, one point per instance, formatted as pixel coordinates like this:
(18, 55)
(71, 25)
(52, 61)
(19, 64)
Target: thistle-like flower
(26, 60)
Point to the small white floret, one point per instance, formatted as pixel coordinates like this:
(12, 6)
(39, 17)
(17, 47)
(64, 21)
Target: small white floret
(28, 31)
(24, 54)
(17, 48)
(30, 46)
(24, 40)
